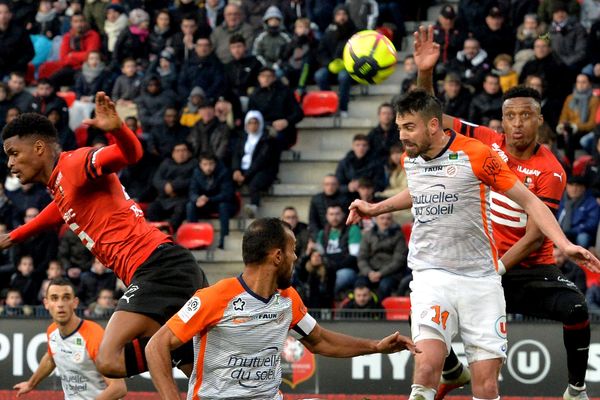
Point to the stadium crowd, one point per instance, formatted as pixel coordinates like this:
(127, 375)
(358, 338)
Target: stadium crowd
(212, 90)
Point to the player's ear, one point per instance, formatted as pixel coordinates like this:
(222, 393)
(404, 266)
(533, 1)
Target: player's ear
(433, 125)
(45, 303)
(39, 146)
(76, 302)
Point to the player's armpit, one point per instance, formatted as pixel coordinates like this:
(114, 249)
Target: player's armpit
(50, 217)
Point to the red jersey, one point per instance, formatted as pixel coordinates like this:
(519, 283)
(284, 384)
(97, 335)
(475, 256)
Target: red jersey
(542, 174)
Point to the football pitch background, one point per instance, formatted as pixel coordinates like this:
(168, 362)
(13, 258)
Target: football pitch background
(535, 367)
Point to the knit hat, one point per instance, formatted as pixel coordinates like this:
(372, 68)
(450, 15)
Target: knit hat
(272, 12)
(448, 12)
(137, 16)
(116, 7)
(341, 7)
(198, 91)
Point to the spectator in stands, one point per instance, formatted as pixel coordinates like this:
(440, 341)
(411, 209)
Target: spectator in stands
(529, 31)
(172, 181)
(455, 98)
(73, 253)
(362, 298)
(366, 192)
(5, 102)
(13, 304)
(385, 134)
(570, 270)
(329, 55)
(314, 280)
(300, 56)
(16, 49)
(12, 113)
(115, 23)
(254, 10)
(137, 178)
(95, 12)
(300, 229)
(91, 79)
(104, 305)
(66, 137)
(74, 49)
(8, 216)
(164, 67)
(278, 106)
(152, 103)
(359, 162)
(93, 281)
(503, 67)
(31, 196)
(547, 7)
(47, 21)
(161, 35)
(45, 99)
(590, 13)
(211, 192)
(494, 35)
(394, 172)
(241, 72)
(19, 97)
(471, 64)
(383, 254)
(189, 113)
(579, 212)
(447, 34)
(392, 14)
(196, 9)
(594, 42)
(317, 212)
(210, 135)
(54, 271)
(165, 135)
(269, 46)
(578, 116)
(410, 74)
(127, 88)
(202, 69)
(340, 244)
(215, 10)
(472, 14)
(24, 280)
(547, 66)
(363, 13)
(495, 125)
(487, 105)
(133, 42)
(184, 41)
(568, 38)
(255, 160)
(233, 24)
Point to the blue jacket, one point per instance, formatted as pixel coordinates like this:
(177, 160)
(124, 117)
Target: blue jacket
(585, 215)
(218, 191)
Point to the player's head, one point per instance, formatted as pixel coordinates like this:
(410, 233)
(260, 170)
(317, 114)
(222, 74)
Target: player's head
(270, 243)
(30, 142)
(60, 300)
(521, 116)
(419, 118)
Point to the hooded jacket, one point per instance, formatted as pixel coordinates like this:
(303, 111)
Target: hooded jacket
(265, 157)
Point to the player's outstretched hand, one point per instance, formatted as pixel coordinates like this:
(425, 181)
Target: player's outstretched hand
(358, 210)
(106, 118)
(396, 342)
(427, 52)
(22, 388)
(5, 241)
(583, 257)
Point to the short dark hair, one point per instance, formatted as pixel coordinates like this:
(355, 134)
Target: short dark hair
(30, 124)
(419, 101)
(384, 105)
(18, 74)
(207, 155)
(360, 136)
(366, 182)
(262, 236)
(492, 75)
(78, 14)
(237, 38)
(335, 205)
(523, 91)
(61, 281)
(44, 81)
(289, 208)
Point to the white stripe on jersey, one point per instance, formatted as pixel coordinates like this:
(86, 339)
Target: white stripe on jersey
(498, 211)
(306, 325)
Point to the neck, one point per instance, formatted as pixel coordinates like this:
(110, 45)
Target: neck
(46, 173)
(440, 141)
(70, 326)
(260, 279)
(523, 154)
(386, 127)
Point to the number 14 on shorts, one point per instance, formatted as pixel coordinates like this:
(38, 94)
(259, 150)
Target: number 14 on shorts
(440, 317)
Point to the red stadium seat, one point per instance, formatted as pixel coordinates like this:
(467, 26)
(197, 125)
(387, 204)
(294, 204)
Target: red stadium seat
(195, 235)
(591, 278)
(320, 103)
(68, 97)
(407, 230)
(385, 31)
(397, 308)
(30, 74)
(164, 226)
(580, 165)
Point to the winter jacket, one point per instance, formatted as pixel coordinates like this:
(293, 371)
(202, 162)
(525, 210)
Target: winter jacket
(127, 88)
(276, 102)
(570, 115)
(340, 255)
(569, 43)
(16, 49)
(130, 45)
(384, 252)
(450, 41)
(179, 175)
(269, 48)
(212, 136)
(485, 107)
(163, 139)
(72, 252)
(331, 45)
(496, 42)
(43, 105)
(472, 72)
(74, 51)
(585, 214)
(363, 13)
(206, 73)
(85, 88)
(242, 74)
(351, 168)
(459, 106)
(92, 283)
(318, 210)
(265, 157)
(218, 188)
(552, 71)
(381, 141)
(220, 39)
(151, 108)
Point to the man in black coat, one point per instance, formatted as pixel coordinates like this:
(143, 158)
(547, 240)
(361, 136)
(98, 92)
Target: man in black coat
(455, 98)
(16, 49)
(317, 211)
(471, 64)
(163, 137)
(385, 134)
(494, 35)
(202, 69)
(241, 73)
(278, 106)
(45, 99)
(359, 163)
(487, 105)
(547, 66)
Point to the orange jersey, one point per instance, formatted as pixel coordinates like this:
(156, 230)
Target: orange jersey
(238, 339)
(542, 174)
(75, 357)
(95, 206)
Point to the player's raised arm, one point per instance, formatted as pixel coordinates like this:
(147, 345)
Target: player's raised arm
(359, 208)
(49, 217)
(128, 149)
(44, 369)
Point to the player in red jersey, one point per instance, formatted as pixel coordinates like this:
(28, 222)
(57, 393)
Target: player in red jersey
(526, 254)
(89, 198)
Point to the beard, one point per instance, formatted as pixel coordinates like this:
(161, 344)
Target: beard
(284, 281)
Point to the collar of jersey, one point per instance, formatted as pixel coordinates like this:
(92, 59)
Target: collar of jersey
(251, 293)
(72, 333)
(446, 147)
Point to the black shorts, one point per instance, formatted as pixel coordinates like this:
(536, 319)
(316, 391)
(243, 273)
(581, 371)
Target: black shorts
(541, 291)
(163, 283)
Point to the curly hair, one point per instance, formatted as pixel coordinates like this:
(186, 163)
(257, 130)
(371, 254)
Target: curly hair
(30, 124)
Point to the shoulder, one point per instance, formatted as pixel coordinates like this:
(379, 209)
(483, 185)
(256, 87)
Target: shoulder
(91, 327)
(547, 162)
(53, 327)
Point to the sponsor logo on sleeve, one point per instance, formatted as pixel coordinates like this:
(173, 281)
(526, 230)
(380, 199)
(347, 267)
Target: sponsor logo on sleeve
(189, 309)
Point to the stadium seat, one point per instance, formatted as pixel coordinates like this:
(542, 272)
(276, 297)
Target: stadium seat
(320, 103)
(68, 97)
(406, 230)
(386, 31)
(195, 235)
(397, 308)
(591, 278)
(164, 226)
(580, 165)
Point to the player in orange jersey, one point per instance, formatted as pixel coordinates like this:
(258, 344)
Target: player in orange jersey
(239, 326)
(89, 198)
(526, 254)
(72, 348)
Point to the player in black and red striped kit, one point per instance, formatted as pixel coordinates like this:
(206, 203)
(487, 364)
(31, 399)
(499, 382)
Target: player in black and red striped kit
(527, 255)
(89, 198)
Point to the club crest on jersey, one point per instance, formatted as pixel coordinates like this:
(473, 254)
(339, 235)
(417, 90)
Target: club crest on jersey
(528, 182)
(451, 170)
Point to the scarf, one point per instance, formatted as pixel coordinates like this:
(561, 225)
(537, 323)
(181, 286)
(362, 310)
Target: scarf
(113, 29)
(160, 31)
(142, 34)
(580, 103)
(91, 73)
(44, 18)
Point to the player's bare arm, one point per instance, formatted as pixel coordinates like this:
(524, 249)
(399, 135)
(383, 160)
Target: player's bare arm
(527, 244)
(115, 389)
(546, 221)
(159, 362)
(332, 344)
(359, 208)
(44, 370)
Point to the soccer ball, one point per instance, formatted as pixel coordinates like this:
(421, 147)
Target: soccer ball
(369, 57)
